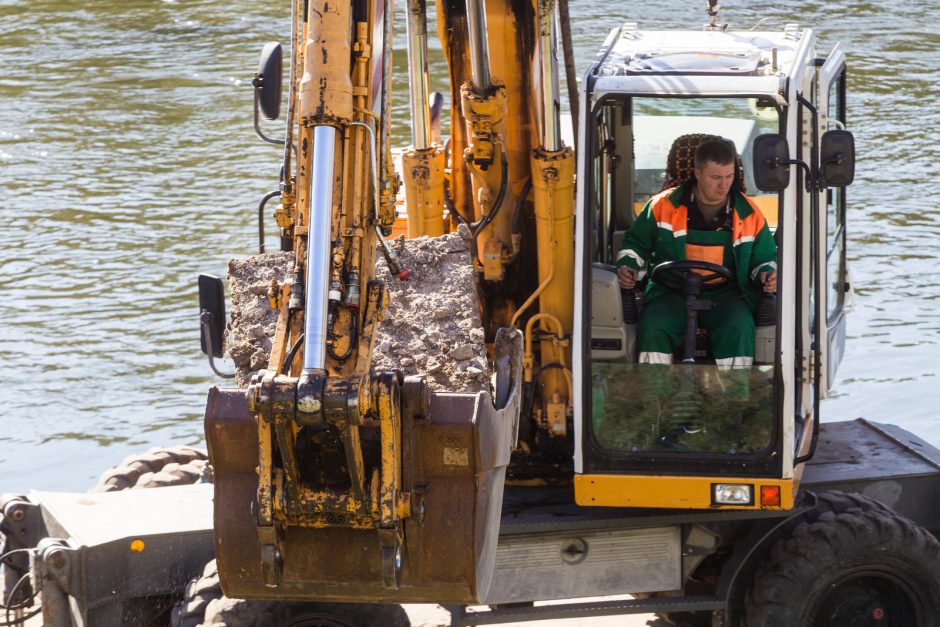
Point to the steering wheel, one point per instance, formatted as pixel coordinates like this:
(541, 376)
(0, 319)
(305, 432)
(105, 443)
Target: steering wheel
(671, 274)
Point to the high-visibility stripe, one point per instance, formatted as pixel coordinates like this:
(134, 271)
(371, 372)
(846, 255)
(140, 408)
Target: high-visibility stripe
(734, 362)
(665, 225)
(744, 239)
(770, 266)
(681, 233)
(655, 358)
(627, 252)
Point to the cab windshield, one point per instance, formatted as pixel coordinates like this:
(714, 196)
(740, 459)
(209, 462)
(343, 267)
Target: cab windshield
(649, 409)
(682, 408)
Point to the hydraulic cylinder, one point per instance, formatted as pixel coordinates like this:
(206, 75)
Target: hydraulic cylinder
(553, 186)
(485, 115)
(423, 163)
(423, 172)
(326, 105)
(326, 87)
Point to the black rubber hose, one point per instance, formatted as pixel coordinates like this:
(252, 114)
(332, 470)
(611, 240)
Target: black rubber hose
(500, 196)
(449, 204)
(550, 366)
(291, 353)
(477, 227)
(353, 337)
(261, 205)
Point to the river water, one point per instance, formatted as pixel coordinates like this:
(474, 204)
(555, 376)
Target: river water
(128, 165)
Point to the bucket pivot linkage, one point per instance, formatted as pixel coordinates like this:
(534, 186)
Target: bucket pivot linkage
(312, 470)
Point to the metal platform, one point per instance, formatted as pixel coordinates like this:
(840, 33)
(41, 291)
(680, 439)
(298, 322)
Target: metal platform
(881, 461)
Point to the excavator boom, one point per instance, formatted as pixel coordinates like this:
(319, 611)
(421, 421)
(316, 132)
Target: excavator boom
(366, 469)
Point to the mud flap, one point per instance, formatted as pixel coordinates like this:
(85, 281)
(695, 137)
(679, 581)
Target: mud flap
(453, 462)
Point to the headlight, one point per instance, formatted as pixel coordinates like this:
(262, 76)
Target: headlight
(732, 494)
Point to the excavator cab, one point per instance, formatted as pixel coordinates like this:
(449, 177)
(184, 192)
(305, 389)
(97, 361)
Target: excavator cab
(695, 433)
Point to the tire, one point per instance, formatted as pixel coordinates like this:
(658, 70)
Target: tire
(198, 593)
(204, 604)
(840, 502)
(158, 467)
(833, 501)
(863, 565)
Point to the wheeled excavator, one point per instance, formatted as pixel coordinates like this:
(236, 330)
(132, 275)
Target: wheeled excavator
(712, 495)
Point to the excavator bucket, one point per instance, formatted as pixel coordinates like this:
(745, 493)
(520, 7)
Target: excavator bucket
(453, 461)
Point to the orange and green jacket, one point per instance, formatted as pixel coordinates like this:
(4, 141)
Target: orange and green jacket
(659, 234)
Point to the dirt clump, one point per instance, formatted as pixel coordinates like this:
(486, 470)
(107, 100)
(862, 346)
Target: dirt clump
(431, 327)
(249, 334)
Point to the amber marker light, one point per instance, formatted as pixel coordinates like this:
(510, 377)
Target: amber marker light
(770, 495)
(137, 546)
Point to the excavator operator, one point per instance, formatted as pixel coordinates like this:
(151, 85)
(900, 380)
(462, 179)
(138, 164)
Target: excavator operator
(705, 219)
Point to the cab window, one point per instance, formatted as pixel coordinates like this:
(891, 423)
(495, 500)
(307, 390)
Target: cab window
(643, 411)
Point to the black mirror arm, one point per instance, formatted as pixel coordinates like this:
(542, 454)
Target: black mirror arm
(808, 175)
(256, 83)
(838, 159)
(206, 318)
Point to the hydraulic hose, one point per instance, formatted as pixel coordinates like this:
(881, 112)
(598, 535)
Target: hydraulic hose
(477, 227)
(261, 205)
(285, 366)
(353, 337)
(500, 195)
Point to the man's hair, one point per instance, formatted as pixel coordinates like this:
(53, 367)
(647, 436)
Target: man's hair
(714, 150)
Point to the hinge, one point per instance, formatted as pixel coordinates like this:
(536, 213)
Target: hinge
(807, 365)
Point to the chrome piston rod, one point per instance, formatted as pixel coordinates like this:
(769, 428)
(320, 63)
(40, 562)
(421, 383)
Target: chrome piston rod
(417, 28)
(479, 49)
(318, 247)
(548, 68)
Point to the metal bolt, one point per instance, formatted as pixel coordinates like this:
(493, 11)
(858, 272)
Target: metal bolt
(309, 404)
(17, 515)
(56, 558)
(574, 551)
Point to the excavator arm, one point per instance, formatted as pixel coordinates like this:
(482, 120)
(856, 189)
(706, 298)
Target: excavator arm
(334, 480)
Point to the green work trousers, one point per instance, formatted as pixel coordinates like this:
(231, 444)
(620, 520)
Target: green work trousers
(730, 325)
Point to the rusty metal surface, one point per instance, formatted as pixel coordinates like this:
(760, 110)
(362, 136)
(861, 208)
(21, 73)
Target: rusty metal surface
(453, 460)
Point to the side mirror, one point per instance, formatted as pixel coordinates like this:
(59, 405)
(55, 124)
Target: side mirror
(211, 314)
(267, 81)
(837, 158)
(771, 162)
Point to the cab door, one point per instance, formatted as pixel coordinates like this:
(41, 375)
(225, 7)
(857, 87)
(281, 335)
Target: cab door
(830, 308)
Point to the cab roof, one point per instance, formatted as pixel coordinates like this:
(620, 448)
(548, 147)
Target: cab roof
(706, 63)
